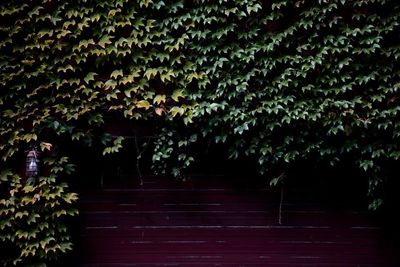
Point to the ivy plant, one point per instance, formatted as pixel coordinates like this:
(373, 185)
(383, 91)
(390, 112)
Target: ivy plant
(276, 81)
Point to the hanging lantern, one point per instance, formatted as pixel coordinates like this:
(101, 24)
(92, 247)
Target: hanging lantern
(32, 163)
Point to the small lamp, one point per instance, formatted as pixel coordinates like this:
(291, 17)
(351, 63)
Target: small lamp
(32, 163)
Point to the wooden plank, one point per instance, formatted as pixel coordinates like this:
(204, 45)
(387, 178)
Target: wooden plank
(209, 223)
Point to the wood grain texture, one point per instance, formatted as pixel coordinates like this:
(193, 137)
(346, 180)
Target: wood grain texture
(211, 222)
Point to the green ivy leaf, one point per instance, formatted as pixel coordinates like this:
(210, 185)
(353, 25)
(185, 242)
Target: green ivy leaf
(143, 104)
(177, 94)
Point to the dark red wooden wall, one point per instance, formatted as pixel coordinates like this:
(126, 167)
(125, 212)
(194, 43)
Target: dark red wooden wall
(212, 221)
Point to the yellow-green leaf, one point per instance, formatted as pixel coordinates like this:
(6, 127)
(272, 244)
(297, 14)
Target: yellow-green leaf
(159, 99)
(45, 146)
(90, 77)
(117, 73)
(150, 73)
(177, 110)
(177, 94)
(143, 104)
(105, 40)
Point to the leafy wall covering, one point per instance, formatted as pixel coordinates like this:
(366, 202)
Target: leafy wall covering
(275, 80)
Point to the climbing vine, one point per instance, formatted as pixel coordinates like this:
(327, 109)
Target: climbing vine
(277, 81)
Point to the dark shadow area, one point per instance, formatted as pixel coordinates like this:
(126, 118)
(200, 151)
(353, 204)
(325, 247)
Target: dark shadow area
(112, 184)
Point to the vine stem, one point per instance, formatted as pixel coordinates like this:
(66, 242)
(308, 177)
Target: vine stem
(280, 205)
(138, 157)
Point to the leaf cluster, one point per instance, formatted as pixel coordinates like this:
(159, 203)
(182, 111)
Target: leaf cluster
(33, 214)
(277, 81)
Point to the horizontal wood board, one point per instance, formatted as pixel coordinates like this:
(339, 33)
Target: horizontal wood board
(211, 221)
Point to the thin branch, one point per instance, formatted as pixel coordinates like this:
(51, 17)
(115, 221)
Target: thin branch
(281, 204)
(139, 156)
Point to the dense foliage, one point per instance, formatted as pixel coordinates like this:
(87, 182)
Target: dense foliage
(32, 226)
(277, 81)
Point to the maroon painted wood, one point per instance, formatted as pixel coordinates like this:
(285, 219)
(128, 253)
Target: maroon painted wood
(211, 222)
